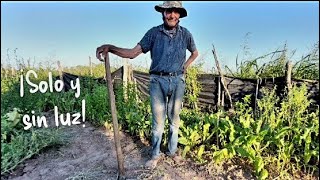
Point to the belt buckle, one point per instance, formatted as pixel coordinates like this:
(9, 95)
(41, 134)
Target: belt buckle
(173, 74)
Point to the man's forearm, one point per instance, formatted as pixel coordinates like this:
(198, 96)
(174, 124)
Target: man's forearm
(122, 52)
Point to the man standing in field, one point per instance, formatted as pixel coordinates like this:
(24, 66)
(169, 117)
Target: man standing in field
(168, 43)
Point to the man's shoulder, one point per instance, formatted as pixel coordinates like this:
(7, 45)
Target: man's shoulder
(155, 28)
(184, 29)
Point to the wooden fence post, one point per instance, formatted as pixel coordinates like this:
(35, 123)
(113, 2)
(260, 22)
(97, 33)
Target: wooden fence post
(60, 73)
(130, 73)
(125, 76)
(13, 72)
(90, 65)
(222, 98)
(273, 80)
(125, 72)
(59, 69)
(256, 99)
(288, 75)
(3, 71)
(219, 93)
(136, 89)
(222, 77)
(6, 73)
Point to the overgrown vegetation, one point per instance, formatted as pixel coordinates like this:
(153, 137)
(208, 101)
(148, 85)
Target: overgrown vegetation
(17, 144)
(305, 68)
(279, 140)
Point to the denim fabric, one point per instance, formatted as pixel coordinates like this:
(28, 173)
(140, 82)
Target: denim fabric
(168, 53)
(166, 93)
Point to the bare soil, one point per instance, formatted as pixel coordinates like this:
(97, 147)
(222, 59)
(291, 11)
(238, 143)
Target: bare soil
(89, 153)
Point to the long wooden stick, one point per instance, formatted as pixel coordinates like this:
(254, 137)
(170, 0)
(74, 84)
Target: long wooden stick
(114, 118)
(222, 77)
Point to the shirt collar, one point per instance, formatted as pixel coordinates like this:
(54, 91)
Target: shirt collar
(162, 27)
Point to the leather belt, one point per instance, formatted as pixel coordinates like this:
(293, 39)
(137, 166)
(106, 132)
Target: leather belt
(166, 74)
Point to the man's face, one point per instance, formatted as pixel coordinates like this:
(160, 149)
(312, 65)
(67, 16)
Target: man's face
(171, 17)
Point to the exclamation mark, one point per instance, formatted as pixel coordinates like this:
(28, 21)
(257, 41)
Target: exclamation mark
(83, 112)
(21, 84)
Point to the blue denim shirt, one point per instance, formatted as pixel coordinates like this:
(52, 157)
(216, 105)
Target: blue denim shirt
(168, 53)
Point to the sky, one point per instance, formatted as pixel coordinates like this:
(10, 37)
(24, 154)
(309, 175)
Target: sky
(71, 31)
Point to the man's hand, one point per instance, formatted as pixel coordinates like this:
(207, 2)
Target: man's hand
(102, 50)
(122, 52)
(185, 70)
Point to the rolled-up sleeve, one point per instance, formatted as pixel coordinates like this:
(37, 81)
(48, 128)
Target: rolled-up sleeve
(147, 41)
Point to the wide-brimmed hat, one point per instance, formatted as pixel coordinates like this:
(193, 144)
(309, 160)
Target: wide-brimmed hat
(172, 4)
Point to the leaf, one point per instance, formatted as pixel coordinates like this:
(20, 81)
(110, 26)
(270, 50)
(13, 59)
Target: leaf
(258, 164)
(232, 131)
(282, 132)
(252, 152)
(264, 174)
(184, 141)
(205, 131)
(307, 154)
(231, 151)
(218, 156)
(194, 137)
(243, 152)
(263, 133)
(306, 133)
(14, 116)
(239, 141)
(200, 151)
(185, 150)
(251, 140)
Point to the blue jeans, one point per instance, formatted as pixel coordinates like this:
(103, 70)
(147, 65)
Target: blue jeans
(166, 93)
